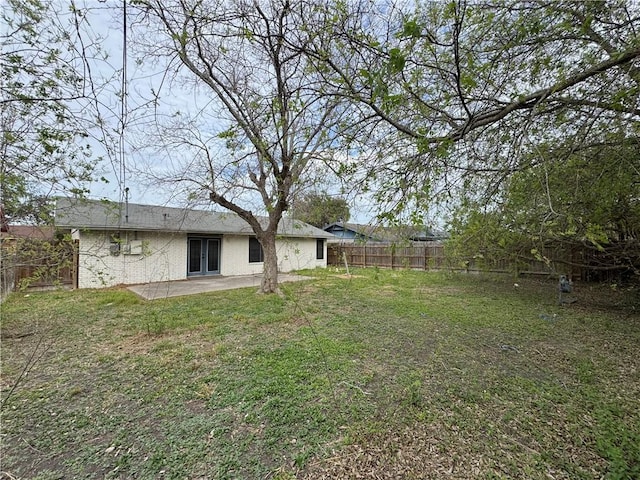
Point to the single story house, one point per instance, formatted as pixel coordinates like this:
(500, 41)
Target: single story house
(126, 243)
(355, 233)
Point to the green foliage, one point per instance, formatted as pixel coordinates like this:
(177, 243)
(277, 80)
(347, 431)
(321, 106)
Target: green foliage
(320, 209)
(43, 259)
(590, 196)
(487, 240)
(452, 94)
(411, 28)
(43, 144)
(397, 60)
(586, 198)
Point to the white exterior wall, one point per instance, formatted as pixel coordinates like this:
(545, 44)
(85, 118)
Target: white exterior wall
(164, 258)
(293, 254)
(299, 253)
(234, 256)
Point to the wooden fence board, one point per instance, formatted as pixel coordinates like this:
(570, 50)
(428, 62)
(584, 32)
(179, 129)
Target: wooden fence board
(428, 257)
(17, 271)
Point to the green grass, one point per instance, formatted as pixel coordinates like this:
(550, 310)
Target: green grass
(397, 373)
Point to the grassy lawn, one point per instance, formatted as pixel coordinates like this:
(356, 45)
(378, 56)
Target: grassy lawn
(388, 374)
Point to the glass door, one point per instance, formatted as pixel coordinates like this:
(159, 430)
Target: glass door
(203, 256)
(213, 255)
(195, 256)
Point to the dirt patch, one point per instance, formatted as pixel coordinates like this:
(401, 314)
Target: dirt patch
(439, 291)
(417, 452)
(143, 343)
(386, 291)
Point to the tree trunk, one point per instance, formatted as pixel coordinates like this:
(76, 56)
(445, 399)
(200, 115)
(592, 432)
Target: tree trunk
(270, 271)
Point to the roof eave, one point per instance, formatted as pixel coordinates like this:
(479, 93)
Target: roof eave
(139, 228)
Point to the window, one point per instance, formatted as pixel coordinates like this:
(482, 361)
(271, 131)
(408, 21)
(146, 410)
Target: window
(319, 249)
(255, 251)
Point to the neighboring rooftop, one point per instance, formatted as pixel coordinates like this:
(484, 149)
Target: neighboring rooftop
(107, 215)
(40, 232)
(380, 234)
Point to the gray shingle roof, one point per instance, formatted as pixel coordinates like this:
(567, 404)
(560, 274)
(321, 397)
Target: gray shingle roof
(107, 215)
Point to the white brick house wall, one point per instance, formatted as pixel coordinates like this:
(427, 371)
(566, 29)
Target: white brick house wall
(163, 257)
(299, 253)
(293, 254)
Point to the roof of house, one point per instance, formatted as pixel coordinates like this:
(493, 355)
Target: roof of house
(363, 232)
(40, 232)
(399, 233)
(107, 215)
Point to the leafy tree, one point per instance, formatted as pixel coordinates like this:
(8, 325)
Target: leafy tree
(320, 209)
(451, 94)
(45, 100)
(262, 119)
(585, 201)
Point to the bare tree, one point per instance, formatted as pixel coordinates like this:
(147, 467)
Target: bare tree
(262, 117)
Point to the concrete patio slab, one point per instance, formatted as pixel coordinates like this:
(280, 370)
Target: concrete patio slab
(192, 286)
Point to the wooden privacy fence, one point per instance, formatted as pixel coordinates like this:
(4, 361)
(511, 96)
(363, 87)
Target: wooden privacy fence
(33, 268)
(44, 275)
(432, 256)
(388, 256)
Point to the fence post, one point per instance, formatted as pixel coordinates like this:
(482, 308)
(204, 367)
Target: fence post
(7, 274)
(75, 268)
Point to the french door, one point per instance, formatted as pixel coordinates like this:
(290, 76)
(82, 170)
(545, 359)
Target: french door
(203, 257)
